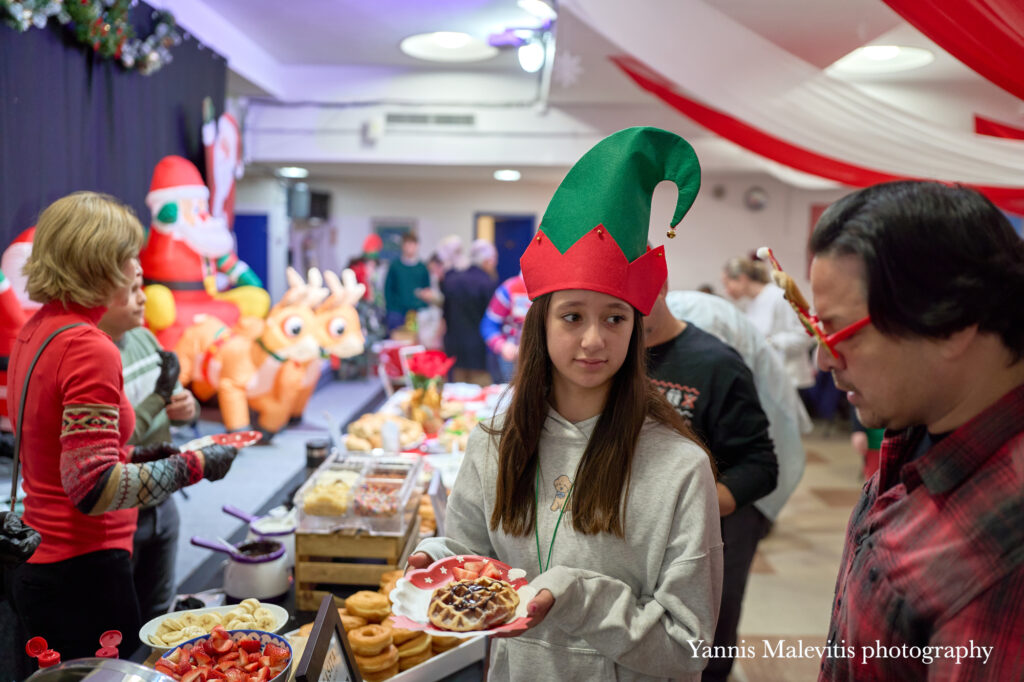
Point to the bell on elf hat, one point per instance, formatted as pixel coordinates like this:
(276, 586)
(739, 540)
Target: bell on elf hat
(593, 235)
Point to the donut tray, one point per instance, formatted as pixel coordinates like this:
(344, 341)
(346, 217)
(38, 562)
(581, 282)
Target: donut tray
(381, 496)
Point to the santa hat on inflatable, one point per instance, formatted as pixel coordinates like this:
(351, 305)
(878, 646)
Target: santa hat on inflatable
(594, 233)
(175, 178)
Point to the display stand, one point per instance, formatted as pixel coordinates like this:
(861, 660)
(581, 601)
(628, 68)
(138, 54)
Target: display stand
(327, 656)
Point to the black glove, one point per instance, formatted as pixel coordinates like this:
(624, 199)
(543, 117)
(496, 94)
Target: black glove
(218, 459)
(169, 371)
(18, 540)
(151, 453)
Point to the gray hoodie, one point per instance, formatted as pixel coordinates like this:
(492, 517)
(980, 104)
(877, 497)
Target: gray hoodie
(625, 609)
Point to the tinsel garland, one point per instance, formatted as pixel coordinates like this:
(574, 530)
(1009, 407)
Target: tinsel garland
(104, 26)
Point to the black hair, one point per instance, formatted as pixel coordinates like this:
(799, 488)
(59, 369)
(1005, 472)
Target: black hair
(937, 259)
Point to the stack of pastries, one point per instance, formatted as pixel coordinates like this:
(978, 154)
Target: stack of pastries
(382, 650)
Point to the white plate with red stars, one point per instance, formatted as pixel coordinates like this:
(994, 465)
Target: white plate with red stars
(239, 439)
(410, 599)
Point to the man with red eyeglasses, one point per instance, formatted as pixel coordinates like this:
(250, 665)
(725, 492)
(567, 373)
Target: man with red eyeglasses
(918, 289)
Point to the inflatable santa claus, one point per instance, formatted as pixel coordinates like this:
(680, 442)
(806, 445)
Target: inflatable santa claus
(186, 249)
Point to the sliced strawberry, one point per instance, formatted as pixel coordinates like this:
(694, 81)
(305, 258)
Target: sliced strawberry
(215, 674)
(227, 666)
(191, 675)
(263, 675)
(264, 661)
(202, 658)
(250, 645)
(235, 675)
(221, 646)
(243, 656)
(463, 574)
(276, 670)
(475, 566)
(184, 666)
(251, 667)
(162, 667)
(275, 653)
(491, 571)
(218, 632)
(232, 657)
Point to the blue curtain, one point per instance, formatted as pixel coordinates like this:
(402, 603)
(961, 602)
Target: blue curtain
(70, 120)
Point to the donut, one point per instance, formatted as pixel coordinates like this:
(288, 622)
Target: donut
(385, 674)
(410, 661)
(415, 646)
(306, 629)
(441, 643)
(373, 664)
(370, 640)
(398, 634)
(373, 606)
(352, 622)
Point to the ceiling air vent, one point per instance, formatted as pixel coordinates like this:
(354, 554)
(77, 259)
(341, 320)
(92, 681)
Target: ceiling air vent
(447, 120)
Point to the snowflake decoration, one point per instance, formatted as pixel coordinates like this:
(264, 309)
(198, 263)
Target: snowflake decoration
(444, 571)
(567, 69)
(461, 559)
(428, 580)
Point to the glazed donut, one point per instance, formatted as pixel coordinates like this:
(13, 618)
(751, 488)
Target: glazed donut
(373, 664)
(419, 643)
(370, 640)
(373, 606)
(385, 674)
(410, 661)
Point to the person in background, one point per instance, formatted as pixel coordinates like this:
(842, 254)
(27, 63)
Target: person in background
(467, 294)
(430, 321)
(918, 289)
(747, 282)
(83, 484)
(405, 275)
(787, 417)
(709, 385)
(151, 386)
(628, 583)
(503, 324)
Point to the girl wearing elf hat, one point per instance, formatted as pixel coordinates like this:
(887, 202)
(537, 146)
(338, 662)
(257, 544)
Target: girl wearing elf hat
(590, 481)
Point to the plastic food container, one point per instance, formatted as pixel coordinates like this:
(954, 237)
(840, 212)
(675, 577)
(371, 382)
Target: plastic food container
(361, 493)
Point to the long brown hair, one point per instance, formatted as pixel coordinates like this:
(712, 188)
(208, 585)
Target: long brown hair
(599, 506)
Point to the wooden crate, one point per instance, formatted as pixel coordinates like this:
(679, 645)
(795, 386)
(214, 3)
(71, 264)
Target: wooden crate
(323, 561)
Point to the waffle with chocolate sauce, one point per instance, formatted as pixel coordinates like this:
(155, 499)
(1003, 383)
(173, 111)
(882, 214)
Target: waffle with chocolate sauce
(477, 604)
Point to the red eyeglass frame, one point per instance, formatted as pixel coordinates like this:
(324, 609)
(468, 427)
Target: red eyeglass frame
(811, 323)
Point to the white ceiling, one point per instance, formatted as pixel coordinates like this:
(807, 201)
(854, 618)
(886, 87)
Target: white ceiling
(341, 59)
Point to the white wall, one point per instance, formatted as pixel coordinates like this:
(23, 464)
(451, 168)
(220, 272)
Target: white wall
(714, 230)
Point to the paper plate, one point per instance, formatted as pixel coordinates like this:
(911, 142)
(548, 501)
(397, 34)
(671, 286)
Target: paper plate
(240, 439)
(411, 596)
(280, 619)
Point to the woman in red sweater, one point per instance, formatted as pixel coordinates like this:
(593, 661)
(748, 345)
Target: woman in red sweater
(83, 485)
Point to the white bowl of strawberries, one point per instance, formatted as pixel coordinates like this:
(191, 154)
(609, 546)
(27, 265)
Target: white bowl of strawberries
(231, 655)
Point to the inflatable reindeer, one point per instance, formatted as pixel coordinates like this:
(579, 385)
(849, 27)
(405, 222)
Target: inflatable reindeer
(272, 365)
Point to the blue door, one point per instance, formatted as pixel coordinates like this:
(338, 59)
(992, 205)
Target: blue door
(512, 234)
(251, 235)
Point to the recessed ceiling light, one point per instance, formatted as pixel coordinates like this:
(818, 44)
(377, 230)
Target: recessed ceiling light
(873, 59)
(447, 46)
(292, 172)
(507, 175)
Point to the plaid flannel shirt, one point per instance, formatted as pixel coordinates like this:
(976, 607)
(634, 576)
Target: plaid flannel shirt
(934, 557)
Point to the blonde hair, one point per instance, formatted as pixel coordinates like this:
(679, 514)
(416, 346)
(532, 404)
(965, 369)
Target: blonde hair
(755, 270)
(81, 244)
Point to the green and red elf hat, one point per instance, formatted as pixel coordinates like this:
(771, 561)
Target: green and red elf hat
(594, 233)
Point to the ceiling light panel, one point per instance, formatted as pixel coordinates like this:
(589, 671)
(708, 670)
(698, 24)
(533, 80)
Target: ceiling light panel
(447, 46)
